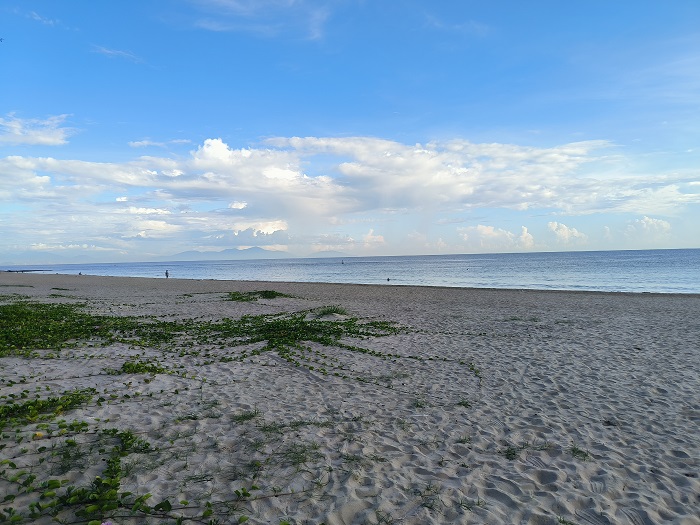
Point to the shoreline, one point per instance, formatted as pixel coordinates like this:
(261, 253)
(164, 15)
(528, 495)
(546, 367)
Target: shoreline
(268, 283)
(483, 406)
(657, 271)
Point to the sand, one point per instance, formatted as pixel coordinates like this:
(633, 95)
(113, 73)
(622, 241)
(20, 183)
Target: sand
(503, 406)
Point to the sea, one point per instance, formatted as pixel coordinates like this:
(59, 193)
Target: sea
(641, 271)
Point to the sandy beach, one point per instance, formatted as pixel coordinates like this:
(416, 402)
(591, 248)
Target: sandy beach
(352, 404)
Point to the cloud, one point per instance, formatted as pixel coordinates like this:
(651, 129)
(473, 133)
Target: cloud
(258, 227)
(266, 18)
(526, 241)
(649, 226)
(150, 143)
(566, 235)
(117, 53)
(266, 179)
(490, 238)
(370, 175)
(464, 175)
(147, 211)
(152, 229)
(372, 240)
(331, 242)
(42, 19)
(298, 190)
(34, 132)
(66, 247)
(145, 143)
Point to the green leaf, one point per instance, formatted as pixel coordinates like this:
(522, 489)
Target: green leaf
(163, 505)
(53, 484)
(243, 519)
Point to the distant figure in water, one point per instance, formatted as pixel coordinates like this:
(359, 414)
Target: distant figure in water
(167, 274)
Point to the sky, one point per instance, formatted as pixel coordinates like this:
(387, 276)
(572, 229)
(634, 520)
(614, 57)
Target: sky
(140, 129)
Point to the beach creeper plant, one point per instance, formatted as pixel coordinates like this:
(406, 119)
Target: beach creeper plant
(286, 332)
(254, 296)
(30, 329)
(15, 414)
(27, 327)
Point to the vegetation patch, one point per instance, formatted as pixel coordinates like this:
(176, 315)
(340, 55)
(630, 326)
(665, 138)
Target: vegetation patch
(330, 310)
(25, 326)
(254, 296)
(81, 473)
(139, 367)
(579, 453)
(14, 414)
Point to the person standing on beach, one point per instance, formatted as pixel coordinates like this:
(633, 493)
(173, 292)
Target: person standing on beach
(167, 274)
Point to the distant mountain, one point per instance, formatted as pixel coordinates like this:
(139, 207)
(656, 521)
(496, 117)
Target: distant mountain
(228, 255)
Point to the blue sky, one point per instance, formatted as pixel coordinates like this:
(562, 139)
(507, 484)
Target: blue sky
(138, 129)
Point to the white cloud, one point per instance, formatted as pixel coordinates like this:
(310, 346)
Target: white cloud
(145, 143)
(372, 240)
(526, 240)
(372, 175)
(35, 132)
(649, 226)
(257, 227)
(266, 18)
(565, 234)
(607, 233)
(42, 19)
(331, 242)
(489, 238)
(281, 192)
(117, 53)
(65, 247)
(457, 173)
(151, 229)
(147, 211)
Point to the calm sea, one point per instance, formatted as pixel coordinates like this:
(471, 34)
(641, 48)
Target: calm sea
(666, 271)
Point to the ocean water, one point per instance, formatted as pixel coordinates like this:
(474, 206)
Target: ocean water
(662, 271)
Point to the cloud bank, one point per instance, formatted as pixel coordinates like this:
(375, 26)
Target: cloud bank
(361, 194)
(35, 132)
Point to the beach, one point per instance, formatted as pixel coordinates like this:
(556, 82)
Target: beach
(353, 404)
